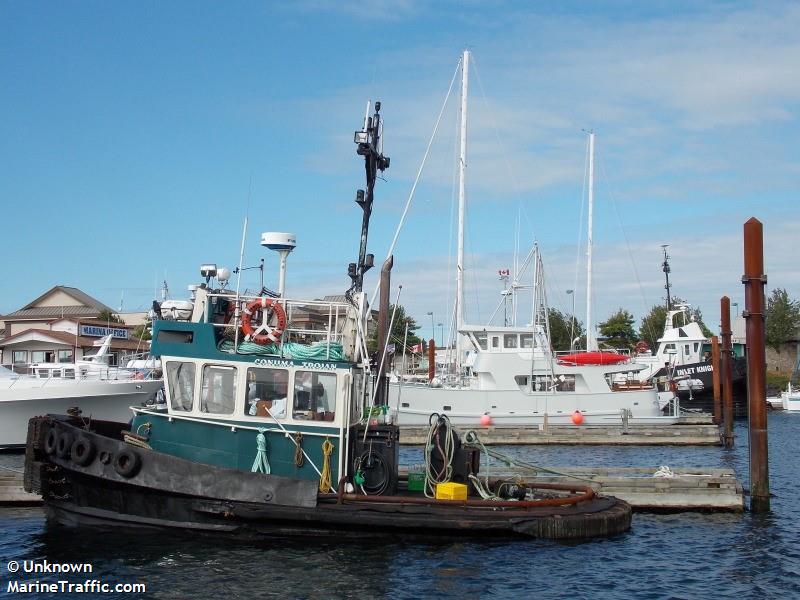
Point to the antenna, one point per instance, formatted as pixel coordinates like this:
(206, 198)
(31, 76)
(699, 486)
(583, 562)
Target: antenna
(666, 269)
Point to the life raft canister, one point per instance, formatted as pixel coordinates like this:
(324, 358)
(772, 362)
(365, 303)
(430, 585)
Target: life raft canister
(264, 333)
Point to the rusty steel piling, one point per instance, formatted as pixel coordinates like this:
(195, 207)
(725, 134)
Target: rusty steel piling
(382, 395)
(726, 372)
(755, 280)
(716, 380)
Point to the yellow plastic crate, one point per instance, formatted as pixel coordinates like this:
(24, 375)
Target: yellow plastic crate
(451, 491)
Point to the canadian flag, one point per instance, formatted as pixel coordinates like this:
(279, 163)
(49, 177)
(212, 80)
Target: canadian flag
(417, 348)
(504, 272)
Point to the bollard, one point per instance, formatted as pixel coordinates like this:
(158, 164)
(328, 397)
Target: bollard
(715, 375)
(754, 281)
(726, 372)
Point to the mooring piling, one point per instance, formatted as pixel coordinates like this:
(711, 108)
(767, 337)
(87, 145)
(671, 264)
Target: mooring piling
(431, 359)
(726, 371)
(755, 280)
(716, 380)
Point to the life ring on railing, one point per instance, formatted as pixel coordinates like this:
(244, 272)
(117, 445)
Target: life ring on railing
(642, 347)
(264, 333)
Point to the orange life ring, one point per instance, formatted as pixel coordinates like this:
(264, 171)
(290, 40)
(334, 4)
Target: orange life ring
(264, 333)
(642, 347)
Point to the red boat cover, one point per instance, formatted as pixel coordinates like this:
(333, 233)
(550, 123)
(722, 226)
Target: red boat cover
(593, 358)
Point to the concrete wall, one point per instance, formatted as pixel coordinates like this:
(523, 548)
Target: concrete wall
(783, 360)
(134, 318)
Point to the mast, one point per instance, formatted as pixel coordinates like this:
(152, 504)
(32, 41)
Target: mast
(591, 342)
(666, 269)
(462, 172)
(370, 146)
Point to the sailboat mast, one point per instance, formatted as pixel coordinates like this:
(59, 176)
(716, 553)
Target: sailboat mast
(591, 342)
(462, 174)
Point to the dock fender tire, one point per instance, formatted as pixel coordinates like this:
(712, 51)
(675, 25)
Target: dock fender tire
(51, 441)
(64, 444)
(127, 463)
(82, 451)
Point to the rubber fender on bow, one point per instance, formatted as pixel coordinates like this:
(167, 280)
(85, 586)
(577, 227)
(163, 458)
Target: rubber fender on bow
(82, 451)
(64, 444)
(127, 463)
(51, 442)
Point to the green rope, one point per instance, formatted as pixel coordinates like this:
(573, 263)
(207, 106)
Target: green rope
(317, 350)
(261, 463)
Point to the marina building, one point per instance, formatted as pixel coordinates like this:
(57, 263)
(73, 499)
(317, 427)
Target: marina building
(63, 325)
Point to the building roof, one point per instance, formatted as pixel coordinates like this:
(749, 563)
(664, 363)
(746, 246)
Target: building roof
(90, 306)
(68, 339)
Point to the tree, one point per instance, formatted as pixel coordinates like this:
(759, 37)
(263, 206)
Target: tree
(652, 325)
(398, 330)
(142, 331)
(562, 330)
(108, 316)
(618, 329)
(782, 318)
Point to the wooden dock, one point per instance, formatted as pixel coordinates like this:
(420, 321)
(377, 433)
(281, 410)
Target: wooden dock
(687, 489)
(12, 492)
(633, 435)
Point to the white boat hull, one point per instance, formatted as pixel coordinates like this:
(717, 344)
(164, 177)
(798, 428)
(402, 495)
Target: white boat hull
(101, 400)
(790, 401)
(414, 405)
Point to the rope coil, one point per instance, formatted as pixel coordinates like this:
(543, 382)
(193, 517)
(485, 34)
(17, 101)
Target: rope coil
(299, 457)
(325, 481)
(261, 463)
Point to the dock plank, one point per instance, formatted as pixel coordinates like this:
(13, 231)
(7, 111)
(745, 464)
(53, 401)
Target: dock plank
(12, 492)
(640, 435)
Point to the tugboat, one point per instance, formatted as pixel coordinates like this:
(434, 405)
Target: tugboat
(276, 423)
(682, 359)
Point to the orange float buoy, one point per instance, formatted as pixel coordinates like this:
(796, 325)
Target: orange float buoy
(577, 417)
(486, 420)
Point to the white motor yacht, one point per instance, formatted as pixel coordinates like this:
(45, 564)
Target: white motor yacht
(100, 391)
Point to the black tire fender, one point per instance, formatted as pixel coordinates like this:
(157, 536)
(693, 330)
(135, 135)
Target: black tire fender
(127, 463)
(64, 444)
(82, 451)
(51, 441)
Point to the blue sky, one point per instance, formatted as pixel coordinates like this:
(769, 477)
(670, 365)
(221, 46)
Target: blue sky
(135, 136)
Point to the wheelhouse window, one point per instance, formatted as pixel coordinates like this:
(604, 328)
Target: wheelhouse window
(314, 396)
(20, 356)
(526, 340)
(218, 394)
(267, 392)
(65, 356)
(180, 379)
(510, 340)
(38, 356)
(481, 338)
(495, 342)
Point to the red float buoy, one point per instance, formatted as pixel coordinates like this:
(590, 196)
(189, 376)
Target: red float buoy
(486, 420)
(577, 417)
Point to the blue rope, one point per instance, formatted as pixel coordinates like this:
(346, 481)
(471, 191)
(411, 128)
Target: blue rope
(261, 463)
